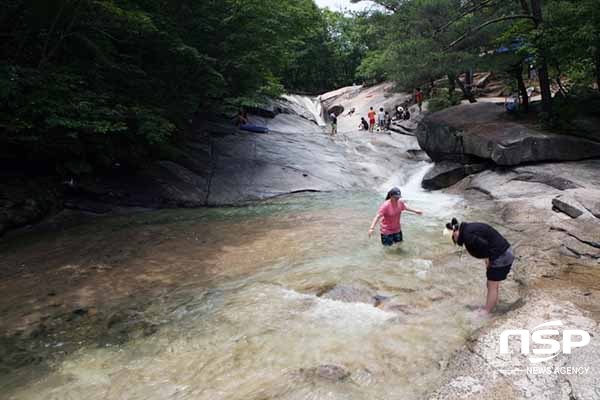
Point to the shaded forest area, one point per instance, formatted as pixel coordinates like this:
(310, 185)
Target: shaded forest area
(89, 84)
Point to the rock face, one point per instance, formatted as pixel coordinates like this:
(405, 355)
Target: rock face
(222, 165)
(24, 200)
(566, 205)
(590, 200)
(447, 173)
(470, 132)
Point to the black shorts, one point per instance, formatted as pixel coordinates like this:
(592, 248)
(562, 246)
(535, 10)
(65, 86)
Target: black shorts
(388, 240)
(500, 266)
(497, 274)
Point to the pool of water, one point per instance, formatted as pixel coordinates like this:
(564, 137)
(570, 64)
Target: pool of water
(237, 311)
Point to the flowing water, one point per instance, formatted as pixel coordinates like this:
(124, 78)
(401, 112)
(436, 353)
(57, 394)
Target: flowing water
(243, 316)
(306, 104)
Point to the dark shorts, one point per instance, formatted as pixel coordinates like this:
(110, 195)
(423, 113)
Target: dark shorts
(497, 274)
(500, 267)
(388, 240)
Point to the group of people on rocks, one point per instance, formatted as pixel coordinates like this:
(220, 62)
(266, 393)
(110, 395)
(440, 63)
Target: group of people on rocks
(380, 121)
(383, 119)
(481, 241)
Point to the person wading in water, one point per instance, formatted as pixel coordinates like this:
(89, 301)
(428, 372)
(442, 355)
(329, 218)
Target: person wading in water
(389, 213)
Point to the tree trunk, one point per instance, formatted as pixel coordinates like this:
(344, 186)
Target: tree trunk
(522, 88)
(542, 65)
(597, 62)
(469, 78)
(451, 85)
(466, 92)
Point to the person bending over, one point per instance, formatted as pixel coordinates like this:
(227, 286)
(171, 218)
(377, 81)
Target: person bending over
(484, 242)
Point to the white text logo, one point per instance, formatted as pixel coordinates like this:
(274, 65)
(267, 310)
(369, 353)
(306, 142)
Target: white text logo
(571, 338)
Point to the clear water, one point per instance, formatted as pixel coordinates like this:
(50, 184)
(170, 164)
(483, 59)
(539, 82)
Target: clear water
(242, 319)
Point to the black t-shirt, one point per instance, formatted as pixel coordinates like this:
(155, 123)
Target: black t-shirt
(333, 119)
(481, 240)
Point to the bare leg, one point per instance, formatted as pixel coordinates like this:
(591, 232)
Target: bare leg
(492, 295)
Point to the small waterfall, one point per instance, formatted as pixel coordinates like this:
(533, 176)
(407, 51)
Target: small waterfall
(435, 202)
(309, 107)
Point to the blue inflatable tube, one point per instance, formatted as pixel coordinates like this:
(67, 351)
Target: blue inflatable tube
(254, 128)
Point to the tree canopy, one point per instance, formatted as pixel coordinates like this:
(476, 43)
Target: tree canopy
(425, 40)
(87, 83)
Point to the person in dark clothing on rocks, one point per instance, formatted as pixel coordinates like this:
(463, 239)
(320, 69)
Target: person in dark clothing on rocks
(364, 125)
(241, 118)
(333, 124)
(484, 242)
(387, 120)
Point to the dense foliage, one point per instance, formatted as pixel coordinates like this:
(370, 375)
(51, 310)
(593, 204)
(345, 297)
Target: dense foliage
(425, 40)
(87, 83)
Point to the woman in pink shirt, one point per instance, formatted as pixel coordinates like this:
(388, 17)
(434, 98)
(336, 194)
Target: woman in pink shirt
(389, 214)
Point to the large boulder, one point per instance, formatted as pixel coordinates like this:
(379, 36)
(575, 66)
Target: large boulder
(590, 199)
(469, 132)
(568, 205)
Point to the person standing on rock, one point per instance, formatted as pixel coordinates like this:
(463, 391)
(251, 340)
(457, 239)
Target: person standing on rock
(381, 120)
(419, 98)
(389, 214)
(484, 242)
(333, 124)
(371, 116)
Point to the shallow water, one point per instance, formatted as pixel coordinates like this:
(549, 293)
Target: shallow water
(236, 308)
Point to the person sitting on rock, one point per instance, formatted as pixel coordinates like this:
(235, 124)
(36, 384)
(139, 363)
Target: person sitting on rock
(399, 112)
(241, 118)
(484, 242)
(511, 103)
(364, 125)
(406, 115)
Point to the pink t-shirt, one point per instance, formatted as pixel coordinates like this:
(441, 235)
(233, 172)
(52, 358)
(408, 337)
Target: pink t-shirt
(390, 216)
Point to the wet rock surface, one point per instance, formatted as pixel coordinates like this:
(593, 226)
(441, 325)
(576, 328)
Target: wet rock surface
(328, 372)
(482, 371)
(446, 173)
(349, 294)
(557, 264)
